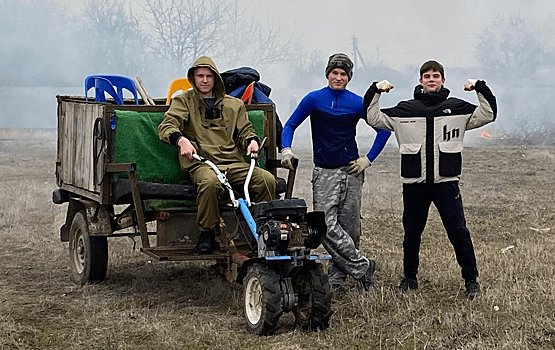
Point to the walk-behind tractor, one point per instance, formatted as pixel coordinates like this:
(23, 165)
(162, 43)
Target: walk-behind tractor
(117, 176)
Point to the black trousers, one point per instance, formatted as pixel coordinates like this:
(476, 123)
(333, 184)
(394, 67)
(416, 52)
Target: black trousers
(447, 199)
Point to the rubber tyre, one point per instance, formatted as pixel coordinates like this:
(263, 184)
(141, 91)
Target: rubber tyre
(311, 286)
(263, 299)
(88, 255)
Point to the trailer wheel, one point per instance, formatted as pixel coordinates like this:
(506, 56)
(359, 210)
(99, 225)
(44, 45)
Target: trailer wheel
(311, 286)
(263, 298)
(88, 255)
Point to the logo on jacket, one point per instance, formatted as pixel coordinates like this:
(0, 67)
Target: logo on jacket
(450, 134)
(447, 111)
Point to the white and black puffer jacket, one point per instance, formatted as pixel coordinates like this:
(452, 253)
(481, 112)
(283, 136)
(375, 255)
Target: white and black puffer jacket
(430, 129)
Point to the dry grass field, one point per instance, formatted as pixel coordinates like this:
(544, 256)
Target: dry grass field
(508, 194)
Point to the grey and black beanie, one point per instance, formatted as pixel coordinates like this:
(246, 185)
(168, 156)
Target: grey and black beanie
(340, 60)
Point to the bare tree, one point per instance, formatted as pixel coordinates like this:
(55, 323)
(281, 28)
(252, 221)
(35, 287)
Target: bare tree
(183, 29)
(248, 41)
(308, 67)
(518, 57)
(115, 41)
(510, 48)
(547, 38)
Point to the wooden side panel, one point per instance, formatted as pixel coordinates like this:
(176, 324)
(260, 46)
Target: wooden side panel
(78, 131)
(64, 130)
(59, 153)
(75, 132)
(91, 113)
(75, 158)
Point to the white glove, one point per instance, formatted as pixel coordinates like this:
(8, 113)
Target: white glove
(469, 84)
(384, 86)
(357, 166)
(287, 157)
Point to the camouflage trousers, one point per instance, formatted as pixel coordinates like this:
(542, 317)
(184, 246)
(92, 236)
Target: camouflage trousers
(339, 195)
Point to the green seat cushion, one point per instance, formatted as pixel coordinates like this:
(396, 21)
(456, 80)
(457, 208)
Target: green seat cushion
(137, 142)
(257, 121)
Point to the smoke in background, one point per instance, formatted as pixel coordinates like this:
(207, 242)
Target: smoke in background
(46, 51)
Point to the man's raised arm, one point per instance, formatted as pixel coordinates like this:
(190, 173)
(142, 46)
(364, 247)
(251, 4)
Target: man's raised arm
(487, 109)
(375, 117)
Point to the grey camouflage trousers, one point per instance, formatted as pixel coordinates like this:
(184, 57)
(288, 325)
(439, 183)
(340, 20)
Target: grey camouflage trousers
(339, 195)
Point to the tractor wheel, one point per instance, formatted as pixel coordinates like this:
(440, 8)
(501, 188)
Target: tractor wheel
(313, 310)
(88, 255)
(263, 299)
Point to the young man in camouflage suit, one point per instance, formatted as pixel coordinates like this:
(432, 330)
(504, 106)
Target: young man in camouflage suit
(338, 174)
(220, 125)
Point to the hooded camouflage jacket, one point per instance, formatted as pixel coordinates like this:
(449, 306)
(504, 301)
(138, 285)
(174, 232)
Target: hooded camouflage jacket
(221, 139)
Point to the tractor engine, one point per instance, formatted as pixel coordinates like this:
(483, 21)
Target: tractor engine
(285, 227)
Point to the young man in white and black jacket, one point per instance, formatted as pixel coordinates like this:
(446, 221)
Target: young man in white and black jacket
(430, 130)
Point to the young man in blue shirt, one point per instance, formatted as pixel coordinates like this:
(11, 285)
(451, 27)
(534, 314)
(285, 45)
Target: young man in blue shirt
(338, 174)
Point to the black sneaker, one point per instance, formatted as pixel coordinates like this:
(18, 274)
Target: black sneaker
(408, 283)
(206, 242)
(472, 289)
(368, 279)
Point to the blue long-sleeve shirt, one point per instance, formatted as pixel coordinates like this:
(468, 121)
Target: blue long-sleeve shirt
(334, 115)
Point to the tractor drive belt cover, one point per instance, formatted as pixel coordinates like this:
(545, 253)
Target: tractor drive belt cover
(280, 208)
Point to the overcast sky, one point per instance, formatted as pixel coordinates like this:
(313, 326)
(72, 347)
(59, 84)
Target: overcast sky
(399, 32)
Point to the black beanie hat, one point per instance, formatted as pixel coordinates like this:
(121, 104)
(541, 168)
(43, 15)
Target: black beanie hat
(340, 60)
